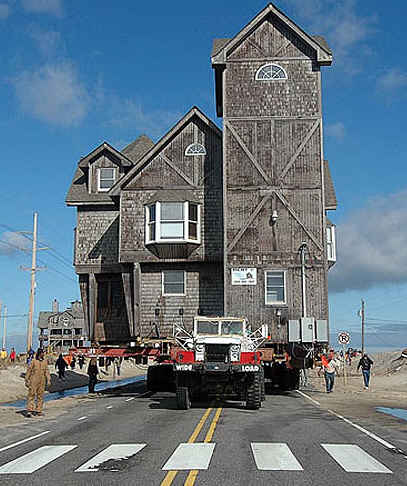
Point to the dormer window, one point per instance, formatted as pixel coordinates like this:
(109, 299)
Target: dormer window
(271, 72)
(195, 149)
(173, 222)
(106, 178)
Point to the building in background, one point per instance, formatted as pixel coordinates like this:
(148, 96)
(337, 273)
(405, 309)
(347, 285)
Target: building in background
(62, 330)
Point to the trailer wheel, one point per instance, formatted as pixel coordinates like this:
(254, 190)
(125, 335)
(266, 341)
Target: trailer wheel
(183, 400)
(253, 392)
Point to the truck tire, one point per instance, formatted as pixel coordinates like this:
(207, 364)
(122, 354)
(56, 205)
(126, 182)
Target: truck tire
(263, 386)
(152, 378)
(253, 392)
(183, 400)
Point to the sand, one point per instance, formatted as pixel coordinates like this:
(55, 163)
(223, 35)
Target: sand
(388, 388)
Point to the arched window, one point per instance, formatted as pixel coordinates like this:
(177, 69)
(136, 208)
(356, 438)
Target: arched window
(195, 149)
(269, 72)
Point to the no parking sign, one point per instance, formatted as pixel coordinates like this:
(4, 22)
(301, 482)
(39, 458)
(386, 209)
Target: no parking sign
(343, 337)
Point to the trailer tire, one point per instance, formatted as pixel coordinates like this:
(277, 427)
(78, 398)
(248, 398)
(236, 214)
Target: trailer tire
(253, 392)
(183, 400)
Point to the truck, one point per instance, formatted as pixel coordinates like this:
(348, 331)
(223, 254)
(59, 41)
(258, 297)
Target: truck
(224, 358)
(219, 358)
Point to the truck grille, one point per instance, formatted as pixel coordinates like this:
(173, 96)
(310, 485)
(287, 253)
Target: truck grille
(217, 353)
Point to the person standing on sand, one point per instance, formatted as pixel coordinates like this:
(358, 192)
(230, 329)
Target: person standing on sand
(60, 365)
(329, 373)
(93, 372)
(36, 378)
(365, 363)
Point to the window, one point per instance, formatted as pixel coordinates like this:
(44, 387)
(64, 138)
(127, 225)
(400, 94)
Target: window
(168, 222)
(106, 178)
(275, 287)
(331, 243)
(195, 149)
(173, 282)
(270, 72)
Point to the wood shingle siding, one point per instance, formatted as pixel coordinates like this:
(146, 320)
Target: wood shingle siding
(262, 188)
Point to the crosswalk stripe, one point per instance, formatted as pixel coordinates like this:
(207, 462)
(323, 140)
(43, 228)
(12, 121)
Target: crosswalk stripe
(115, 452)
(274, 457)
(34, 460)
(190, 456)
(354, 459)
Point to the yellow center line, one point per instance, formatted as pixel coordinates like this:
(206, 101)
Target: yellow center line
(190, 481)
(169, 478)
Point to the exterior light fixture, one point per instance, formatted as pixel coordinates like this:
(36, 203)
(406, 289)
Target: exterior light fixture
(157, 311)
(274, 216)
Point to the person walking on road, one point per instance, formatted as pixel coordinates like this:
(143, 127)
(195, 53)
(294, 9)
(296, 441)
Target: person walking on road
(329, 373)
(13, 356)
(81, 361)
(36, 378)
(60, 365)
(365, 363)
(93, 372)
(73, 363)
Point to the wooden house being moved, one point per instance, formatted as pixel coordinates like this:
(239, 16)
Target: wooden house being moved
(213, 222)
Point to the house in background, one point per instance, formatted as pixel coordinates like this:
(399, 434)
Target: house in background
(215, 222)
(62, 330)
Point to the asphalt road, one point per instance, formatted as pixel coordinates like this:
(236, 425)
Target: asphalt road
(289, 441)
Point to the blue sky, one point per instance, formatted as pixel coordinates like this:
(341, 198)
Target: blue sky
(77, 73)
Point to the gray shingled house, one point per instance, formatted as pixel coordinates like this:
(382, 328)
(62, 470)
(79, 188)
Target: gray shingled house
(62, 330)
(211, 222)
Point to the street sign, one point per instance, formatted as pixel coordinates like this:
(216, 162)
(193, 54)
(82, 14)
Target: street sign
(343, 337)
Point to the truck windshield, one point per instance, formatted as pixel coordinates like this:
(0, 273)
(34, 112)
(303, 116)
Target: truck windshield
(207, 327)
(232, 327)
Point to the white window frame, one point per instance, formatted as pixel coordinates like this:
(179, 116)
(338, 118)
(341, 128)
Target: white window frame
(257, 78)
(162, 283)
(105, 189)
(193, 145)
(277, 302)
(331, 243)
(186, 221)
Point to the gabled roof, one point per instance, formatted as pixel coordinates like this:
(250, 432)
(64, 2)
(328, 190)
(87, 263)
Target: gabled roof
(194, 111)
(330, 196)
(125, 161)
(78, 192)
(221, 47)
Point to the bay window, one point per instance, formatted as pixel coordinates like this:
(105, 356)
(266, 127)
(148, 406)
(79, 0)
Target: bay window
(168, 222)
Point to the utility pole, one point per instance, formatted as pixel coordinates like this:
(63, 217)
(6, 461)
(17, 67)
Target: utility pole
(0, 315)
(303, 249)
(33, 271)
(5, 327)
(362, 316)
(32, 289)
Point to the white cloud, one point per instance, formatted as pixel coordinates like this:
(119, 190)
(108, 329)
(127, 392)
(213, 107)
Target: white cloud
(53, 7)
(5, 11)
(372, 246)
(339, 22)
(53, 94)
(131, 115)
(335, 130)
(11, 243)
(392, 80)
(47, 41)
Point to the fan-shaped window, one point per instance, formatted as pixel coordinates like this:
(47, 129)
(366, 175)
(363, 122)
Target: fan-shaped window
(269, 72)
(195, 149)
